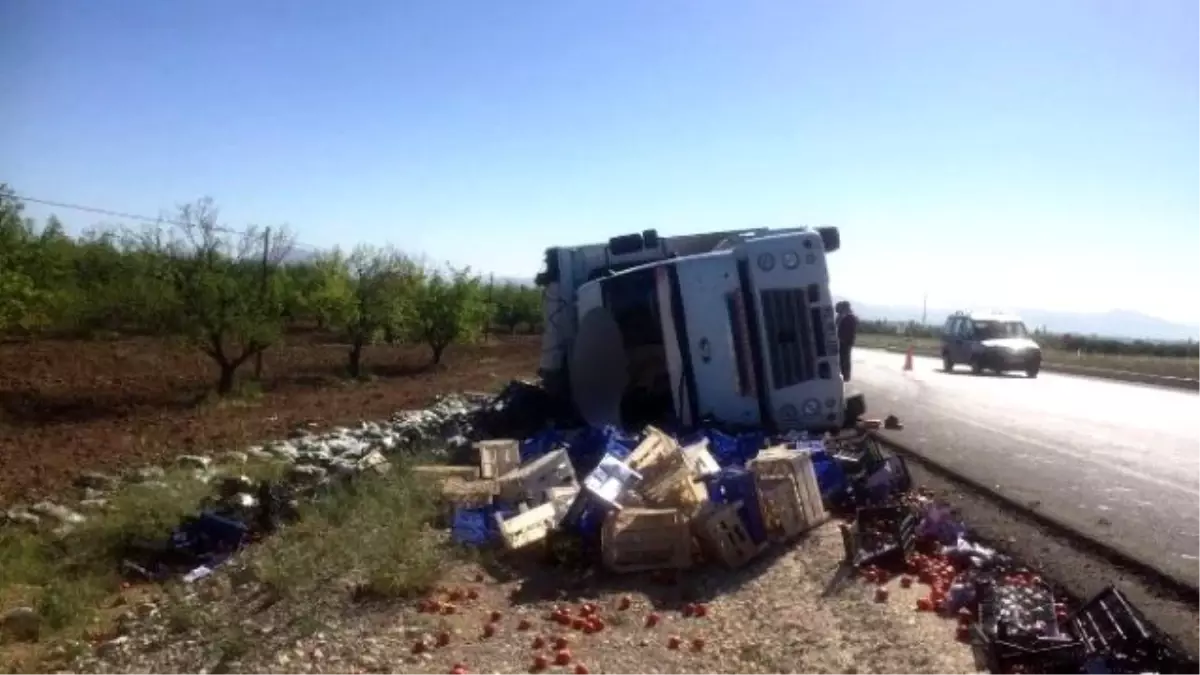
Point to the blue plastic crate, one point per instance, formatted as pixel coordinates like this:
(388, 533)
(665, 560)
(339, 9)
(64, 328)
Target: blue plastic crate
(539, 444)
(477, 526)
(735, 484)
(831, 479)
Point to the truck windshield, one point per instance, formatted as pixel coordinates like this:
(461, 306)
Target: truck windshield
(994, 330)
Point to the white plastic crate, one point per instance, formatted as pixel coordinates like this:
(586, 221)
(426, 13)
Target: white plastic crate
(530, 526)
(700, 459)
(498, 457)
(610, 479)
(530, 482)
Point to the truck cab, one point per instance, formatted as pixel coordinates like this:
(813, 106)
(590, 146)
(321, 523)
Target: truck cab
(742, 333)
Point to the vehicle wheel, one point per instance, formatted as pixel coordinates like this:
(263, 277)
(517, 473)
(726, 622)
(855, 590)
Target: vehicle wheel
(976, 365)
(947, 363)
(1031, 371)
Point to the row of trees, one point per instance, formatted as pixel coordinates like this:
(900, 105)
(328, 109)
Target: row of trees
(1089, 344)
(232, 293)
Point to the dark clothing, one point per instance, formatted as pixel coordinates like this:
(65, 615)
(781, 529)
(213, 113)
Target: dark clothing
(847, 328)
(844, 355)
(847, 331)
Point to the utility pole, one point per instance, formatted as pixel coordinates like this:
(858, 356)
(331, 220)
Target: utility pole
(266, 271)
(924, 308)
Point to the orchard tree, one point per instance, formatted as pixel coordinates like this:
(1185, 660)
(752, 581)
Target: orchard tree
(513, 304)
(229, 304)
(451, 307)
(374, 291)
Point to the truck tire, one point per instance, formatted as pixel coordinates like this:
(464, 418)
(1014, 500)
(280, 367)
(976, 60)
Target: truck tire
(831, 239)
(947, 363)
(977, 365)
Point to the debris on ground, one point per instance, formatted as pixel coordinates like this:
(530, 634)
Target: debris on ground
(662, 504)
(655, 502)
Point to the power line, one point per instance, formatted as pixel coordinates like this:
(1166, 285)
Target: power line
(134, 216)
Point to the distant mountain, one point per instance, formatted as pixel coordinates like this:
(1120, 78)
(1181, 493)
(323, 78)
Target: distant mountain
(1118, 323)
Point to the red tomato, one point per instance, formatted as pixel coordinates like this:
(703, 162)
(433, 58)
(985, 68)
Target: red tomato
(562, 657)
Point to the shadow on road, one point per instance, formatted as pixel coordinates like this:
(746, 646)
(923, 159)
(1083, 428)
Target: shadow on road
(1013, 375)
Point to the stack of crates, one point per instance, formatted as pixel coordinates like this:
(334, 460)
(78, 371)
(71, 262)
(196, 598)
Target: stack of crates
(788, 493)
(640, 540)
(722, 533)
(498, 457)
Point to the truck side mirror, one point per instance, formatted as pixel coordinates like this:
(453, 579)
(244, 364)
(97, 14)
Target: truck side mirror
(831, 239)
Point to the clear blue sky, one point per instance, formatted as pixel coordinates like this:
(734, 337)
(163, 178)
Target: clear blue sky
(1013, 153)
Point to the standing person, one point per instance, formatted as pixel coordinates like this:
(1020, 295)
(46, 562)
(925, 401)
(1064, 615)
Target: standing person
(847, 330)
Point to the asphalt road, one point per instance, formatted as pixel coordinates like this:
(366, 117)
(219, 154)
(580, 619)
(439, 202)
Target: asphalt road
(1117, 461)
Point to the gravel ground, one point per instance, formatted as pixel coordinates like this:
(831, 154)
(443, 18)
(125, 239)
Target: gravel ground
(769, 617)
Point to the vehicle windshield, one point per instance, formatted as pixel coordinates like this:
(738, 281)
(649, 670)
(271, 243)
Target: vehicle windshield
(993, 330)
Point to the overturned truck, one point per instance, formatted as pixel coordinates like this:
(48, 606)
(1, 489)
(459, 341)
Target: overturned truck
(735, 327)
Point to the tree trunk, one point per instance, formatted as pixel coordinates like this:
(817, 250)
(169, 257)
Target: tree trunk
(356, 358)
(225, 384)
(437, 353)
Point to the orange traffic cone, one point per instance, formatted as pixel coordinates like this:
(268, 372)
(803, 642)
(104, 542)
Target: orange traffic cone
(908, 365)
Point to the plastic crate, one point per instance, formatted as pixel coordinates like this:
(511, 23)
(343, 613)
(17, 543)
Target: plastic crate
(1117, 634)
(610, 480)
(498, 457)
(889, 478)
(859, 455)
(879, 534)
(723, 534)
(639, 540)
(530, 482)
(529, 527)
(736, 486)
(1017, 630)
(700, 459)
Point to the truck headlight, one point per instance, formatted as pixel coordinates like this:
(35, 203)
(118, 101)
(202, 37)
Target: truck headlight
(791, 260)
(766, 262)
(812, 407)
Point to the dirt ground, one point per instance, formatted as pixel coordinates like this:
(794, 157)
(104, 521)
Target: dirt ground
(773, 616)
(107, 405)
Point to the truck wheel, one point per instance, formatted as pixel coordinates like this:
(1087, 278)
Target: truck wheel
(976, 365)
(947, 363)
(1031, 371)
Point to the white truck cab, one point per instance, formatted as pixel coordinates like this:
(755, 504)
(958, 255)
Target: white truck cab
(733, 326)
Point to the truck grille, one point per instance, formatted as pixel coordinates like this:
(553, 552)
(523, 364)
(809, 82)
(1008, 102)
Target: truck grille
(790, 327)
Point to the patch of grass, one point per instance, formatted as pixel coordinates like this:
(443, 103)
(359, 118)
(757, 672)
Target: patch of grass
(66, 578)
(372, 533)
